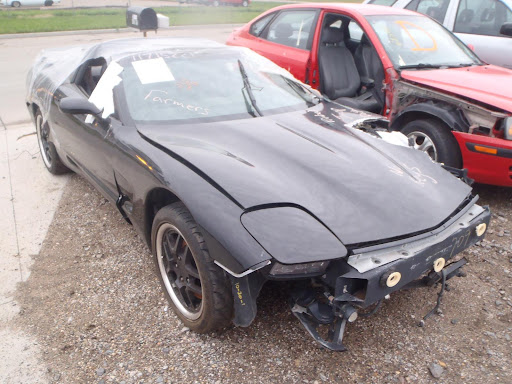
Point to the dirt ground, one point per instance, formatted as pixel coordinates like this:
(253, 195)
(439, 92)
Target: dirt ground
(94, 303)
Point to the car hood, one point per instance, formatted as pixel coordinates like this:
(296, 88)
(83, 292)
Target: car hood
(361, 187)
(488, 84)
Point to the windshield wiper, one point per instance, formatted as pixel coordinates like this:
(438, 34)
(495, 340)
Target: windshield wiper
(462, 65)
(421, 66)
(248, 89)
(303, 91)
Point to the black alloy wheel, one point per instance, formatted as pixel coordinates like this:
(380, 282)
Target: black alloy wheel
(179, 271)
(198, 290)
(49, 154)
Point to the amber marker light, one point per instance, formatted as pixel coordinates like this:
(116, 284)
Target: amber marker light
(490, 151)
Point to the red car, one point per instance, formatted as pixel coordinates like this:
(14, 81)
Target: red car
(403, 65)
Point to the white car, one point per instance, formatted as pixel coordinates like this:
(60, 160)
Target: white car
(478, 23)
(29, 3)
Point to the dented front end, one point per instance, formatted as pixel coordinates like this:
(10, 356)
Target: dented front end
(369, 274)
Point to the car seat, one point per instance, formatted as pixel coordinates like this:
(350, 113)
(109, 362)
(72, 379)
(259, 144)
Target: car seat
(339, 77)
(282, 33)
(463, 21)
(370, 67)
(435, 13)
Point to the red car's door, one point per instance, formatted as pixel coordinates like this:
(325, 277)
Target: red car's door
(284, 37)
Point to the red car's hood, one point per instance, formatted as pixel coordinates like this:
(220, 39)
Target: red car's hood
(487, 84)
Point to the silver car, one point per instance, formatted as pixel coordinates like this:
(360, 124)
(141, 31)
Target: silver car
(478, 23)
(28, 3)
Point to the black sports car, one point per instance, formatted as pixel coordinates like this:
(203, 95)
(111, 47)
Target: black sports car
(235, 173)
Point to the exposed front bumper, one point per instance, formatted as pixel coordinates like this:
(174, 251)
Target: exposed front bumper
(366, 286)
(488, 159)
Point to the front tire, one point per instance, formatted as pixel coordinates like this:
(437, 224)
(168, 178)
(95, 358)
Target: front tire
(434, 138)
(16, 4)
(49, 154)
(196, 288)
(245, 3)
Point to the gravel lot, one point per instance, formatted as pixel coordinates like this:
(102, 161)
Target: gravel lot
(95, 306)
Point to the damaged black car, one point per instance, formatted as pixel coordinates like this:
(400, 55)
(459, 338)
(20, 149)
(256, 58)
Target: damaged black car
(235, 174)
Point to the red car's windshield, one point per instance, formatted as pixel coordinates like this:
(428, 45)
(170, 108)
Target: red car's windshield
(420, 42)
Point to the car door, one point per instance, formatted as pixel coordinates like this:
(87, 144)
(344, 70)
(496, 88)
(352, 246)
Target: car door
(84, 135)
(478, 23)
(287, 38)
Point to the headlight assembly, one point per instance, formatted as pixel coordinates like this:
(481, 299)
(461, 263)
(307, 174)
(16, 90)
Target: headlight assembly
(293, 236)
(304, 269)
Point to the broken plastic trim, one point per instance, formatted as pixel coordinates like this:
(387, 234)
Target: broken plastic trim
(309, 269)
(254, 268)
(367, 261)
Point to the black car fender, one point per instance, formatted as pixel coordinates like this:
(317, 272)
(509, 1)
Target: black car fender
(217, 215)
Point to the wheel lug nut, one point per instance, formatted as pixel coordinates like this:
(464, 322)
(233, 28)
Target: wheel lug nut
(188, 280)
(176, 265)
(181, 278)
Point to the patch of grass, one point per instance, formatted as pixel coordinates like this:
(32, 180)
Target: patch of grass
(62, 20)
(214, 15)
(24, 21)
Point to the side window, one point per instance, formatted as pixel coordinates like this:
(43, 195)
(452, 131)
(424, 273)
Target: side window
(89, 74)
(413, 5)
(389, 3)
(355, 31)
(260, 24)
(481, 17)
(292, 28)
(436, 9)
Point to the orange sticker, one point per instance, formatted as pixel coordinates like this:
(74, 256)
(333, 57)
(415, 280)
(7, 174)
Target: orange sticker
(404, 24)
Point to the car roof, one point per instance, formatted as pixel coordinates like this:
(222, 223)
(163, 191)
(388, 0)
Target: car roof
(363, 9)
(119, 48)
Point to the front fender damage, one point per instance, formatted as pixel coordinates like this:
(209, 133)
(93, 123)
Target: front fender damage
(358, 285)
(459, 114)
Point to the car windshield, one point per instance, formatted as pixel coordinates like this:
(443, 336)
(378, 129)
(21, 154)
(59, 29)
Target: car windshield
(418, 42)
(211, 84)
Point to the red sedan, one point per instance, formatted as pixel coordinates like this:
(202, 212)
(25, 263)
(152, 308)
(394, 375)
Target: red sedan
(403, 65)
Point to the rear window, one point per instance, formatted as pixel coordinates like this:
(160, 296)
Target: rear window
(260, 24)
(293, 28)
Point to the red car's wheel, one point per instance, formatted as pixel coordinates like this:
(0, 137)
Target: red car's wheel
(435, 139)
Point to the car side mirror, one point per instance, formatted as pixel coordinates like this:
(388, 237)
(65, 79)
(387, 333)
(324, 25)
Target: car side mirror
(506, 29)
(78, 106)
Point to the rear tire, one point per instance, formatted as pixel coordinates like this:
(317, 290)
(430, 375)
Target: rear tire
(197, 289)
(245, 3)
(49, 154)
(434, 138)
(216, 3)
(16, 4)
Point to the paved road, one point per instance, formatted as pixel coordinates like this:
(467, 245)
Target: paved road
(18, 54)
